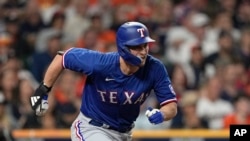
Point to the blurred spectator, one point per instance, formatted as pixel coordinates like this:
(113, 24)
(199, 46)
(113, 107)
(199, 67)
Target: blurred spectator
(21, 47)
(76, 22)
(97, 38)
(121, 14)
(89, 39)
(242, 15)
(48, 8)
(67, 45)
(5, 51)
(24, 115)
(226, 54)
(162, 19)
(195, 69)
(55, 26)
(31, 24)
(243, 78)
(143, 10)
(40, 60)
(247, 88)
(187, 116)
(67, 102)
(243, 48)
(228, 6)
(9, 82)
(105, 35)
(2, 23)
(180, 39)
(179, 80)
(5, 121)
(15, 64)
(13, 8)
(210, 107)
(116, 3)
(184, 6)
(221, 22)
(230, 74)
(155, 48)
(48, 122)
(104, 9)
(241, 114)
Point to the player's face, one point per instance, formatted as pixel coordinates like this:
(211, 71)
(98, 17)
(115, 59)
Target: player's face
(140, 51)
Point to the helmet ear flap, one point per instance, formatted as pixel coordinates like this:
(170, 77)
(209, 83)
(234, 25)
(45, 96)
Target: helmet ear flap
(127, 56)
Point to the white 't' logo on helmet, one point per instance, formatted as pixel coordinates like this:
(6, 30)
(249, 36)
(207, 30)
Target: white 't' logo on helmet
(140, 30)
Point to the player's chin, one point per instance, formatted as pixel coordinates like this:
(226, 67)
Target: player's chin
(142, 63)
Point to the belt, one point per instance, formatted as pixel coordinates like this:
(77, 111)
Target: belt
(100, 124)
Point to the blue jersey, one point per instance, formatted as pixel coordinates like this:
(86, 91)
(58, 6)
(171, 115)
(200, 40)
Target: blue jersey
(110, 96)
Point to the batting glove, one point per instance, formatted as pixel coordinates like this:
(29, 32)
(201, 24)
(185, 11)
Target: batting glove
(43, 107)
(39, 101)
(155, 116)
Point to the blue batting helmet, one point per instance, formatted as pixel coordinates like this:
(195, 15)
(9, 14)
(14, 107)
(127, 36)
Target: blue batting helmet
(131, 34)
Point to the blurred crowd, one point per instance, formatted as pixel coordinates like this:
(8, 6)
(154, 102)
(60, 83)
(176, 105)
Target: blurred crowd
(204, 44)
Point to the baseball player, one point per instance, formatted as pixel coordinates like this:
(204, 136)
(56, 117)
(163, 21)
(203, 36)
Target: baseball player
(117, 84)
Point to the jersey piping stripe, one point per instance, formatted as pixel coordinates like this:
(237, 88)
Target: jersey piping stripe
(64, 56)
(168, 101)
(78, 132)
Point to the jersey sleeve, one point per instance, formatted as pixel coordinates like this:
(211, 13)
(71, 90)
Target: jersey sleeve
(80, 60)
(163, 87)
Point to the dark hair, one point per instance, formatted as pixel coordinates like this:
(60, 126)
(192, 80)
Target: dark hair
(224, 33)
(57, 15)
(240, 96)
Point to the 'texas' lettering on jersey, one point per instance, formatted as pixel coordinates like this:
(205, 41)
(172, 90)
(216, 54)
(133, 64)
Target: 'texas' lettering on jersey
(126, 98)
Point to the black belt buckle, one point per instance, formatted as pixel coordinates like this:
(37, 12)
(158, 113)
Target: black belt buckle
(122, 129)
(95, 123)
(99, 124)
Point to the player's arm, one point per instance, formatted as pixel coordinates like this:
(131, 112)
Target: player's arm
(165, 113)
(53, 71)
(169, 110)
(165, 95)
(39, 101)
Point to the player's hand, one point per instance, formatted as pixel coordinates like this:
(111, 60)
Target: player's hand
(43, 107)
(39, 101)
(155, 116)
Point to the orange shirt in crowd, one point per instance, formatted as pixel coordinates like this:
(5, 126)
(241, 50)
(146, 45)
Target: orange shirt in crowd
(231, 119)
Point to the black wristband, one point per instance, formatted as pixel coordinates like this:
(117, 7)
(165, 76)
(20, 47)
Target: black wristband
(39, 94)
(45, 88)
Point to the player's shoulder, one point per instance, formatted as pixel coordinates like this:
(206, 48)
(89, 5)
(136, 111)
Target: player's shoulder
(154, 62)
(82, 50)
(109, 56)
(107, 62)
(154, 67)
(90, 51)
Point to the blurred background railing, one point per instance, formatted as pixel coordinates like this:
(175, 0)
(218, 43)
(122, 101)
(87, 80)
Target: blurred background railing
(137, 134)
